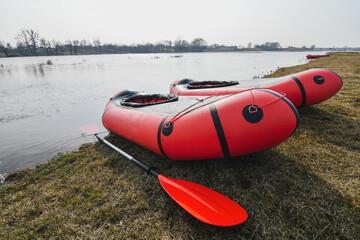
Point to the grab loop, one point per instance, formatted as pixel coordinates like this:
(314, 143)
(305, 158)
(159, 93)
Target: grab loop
(254, 113)
(255, 109)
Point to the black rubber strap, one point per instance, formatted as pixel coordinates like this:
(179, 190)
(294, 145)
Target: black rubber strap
(302, 90)
(159, 137)
(220, 132)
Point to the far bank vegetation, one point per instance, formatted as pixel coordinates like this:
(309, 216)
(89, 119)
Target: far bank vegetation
(29, 43)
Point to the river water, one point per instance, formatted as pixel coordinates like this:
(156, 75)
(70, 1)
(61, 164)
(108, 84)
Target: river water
(43, 107)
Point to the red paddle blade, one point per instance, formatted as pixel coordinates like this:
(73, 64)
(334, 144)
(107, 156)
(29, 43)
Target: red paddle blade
(204, 203)
(90, 129)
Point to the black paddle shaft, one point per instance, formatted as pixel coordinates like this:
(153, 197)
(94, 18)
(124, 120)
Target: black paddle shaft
(147, 169)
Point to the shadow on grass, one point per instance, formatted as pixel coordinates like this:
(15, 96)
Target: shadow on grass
(333, 126)
(282, 197)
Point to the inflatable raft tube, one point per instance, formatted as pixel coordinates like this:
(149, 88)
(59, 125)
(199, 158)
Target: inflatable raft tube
(193, 128)
(304, 88)
(310, 56)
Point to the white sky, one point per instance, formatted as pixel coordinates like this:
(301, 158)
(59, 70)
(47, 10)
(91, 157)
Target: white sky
(324, 23)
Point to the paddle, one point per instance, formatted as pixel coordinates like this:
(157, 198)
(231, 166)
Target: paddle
(203, 203)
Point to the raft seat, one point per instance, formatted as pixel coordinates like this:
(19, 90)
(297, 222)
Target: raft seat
(143, 100)
(210, 84)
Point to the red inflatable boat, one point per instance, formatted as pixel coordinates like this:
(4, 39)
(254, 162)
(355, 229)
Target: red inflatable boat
(304, 88)
(309, 56)
(191, 128)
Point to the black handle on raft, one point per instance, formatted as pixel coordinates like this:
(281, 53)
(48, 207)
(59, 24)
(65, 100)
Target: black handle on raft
(148, 170)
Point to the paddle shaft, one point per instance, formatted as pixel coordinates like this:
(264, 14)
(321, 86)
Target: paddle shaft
(142, 166)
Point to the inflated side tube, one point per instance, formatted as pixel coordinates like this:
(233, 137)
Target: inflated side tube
(304, 88)
(194, 128)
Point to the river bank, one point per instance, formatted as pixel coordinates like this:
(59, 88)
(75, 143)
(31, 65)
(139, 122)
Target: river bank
(308, 187)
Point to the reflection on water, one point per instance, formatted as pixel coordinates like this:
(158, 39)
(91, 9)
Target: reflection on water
(37, 70)
(43, 106)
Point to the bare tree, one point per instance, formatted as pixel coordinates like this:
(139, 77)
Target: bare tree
(30, 39)
(58, 47)
(160, 46)
(275, 45)
(46, 45)
(198, 45)
(76, 44)
(168, 45)
(181, 45)
(5, 47)
(69, 45)
(83, 45)
(269, 46)
(97, 44)
(21, 49)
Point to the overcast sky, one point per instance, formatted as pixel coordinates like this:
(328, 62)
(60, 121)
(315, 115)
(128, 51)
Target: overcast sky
(324, 23)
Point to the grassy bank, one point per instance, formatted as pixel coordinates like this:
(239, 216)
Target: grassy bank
(308, 187)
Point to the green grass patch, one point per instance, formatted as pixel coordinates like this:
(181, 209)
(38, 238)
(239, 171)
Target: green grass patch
(308, 187)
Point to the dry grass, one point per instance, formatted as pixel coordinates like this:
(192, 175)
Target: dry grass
(305, 188)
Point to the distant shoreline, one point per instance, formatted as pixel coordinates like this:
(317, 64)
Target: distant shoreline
(29, 43)
(43, 52)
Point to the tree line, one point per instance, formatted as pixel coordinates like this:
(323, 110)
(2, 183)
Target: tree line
(29, 43)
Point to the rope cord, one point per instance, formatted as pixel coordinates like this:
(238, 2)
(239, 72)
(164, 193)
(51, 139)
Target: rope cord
(264, 105)
(178, 116)
(167, 125)
(186, 111)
